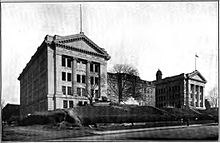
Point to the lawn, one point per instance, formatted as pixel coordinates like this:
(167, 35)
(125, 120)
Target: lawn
(41, 133)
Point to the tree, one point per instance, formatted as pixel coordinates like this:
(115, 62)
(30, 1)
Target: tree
(124, 68)
(207, 104)
(93, 87)
(90, 95)
(213, 97)
(124, 82)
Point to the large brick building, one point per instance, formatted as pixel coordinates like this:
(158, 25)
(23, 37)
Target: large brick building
(184, 90)
(131, 86)
(62, 74)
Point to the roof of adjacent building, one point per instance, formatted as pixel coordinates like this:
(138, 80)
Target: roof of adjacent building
(182, 76)
(129, 77)
(62, 42)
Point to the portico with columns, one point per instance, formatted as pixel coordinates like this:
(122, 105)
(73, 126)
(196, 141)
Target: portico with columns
(195, 84)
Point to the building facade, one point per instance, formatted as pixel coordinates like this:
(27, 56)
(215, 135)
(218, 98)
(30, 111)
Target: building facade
(184, 90)
(131, 86)
(64, 72)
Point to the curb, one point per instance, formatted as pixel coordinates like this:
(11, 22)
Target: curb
(145, 129)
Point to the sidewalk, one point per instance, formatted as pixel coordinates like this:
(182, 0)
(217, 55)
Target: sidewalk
(111, 135)
(145, 129)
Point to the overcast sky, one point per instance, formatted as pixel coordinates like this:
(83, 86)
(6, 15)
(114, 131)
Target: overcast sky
(149, 36)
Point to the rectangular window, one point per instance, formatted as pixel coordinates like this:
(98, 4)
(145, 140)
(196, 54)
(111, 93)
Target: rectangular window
(69, 62)
(91, 80)
(69, 76)
(84, 92)
(64, 90)
(80, 103)
(63, 76)
(78, 91)
(97, 94)
(78, 78)
(96, 68)
(70, 104)
(96, 80)
(65, 104)
(69, 90)
(83, 79)
(91, 67)
(63, 61)
(85, 103)
(192, 88)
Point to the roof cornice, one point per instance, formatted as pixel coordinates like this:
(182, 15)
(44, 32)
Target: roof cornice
(81, 50)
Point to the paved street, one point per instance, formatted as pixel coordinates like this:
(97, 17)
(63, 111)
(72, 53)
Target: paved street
(182, 133)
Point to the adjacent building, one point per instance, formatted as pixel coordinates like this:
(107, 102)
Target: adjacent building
(126, 85)
(64, 72)
(184, 90)
(10, 113)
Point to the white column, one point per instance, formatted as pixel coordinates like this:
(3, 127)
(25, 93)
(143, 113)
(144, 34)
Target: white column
(88, 77)
(58, 75)
(194, 96)
(198, 97)
(188, 94)
(74, 66)
(103, 81)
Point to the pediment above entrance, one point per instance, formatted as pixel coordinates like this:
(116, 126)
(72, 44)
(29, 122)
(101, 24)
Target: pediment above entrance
(80, 43)
(196, 75)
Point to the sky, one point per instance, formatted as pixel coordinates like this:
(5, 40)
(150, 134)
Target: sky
(147, 35)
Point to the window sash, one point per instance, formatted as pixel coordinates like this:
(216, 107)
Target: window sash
(96, 80)
(91, 67)
(78, 78)
(63, 61)
(63, 76)
(83, 79)
(96, 68)
(78, 91)
(91, 80)
(69, 90)
(64, 90)
(70, 104)
(65, 104)
(84, 92)
(69, 63)
(69, 76)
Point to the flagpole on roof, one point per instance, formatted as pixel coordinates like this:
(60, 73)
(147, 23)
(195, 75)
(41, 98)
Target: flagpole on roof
(80, 18)
(196, 56)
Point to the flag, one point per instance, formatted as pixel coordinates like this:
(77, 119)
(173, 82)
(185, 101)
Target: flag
(196, 56)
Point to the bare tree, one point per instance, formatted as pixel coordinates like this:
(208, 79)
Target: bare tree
(213, 97)
(124, 68)
(91, 94)
(124, 81)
